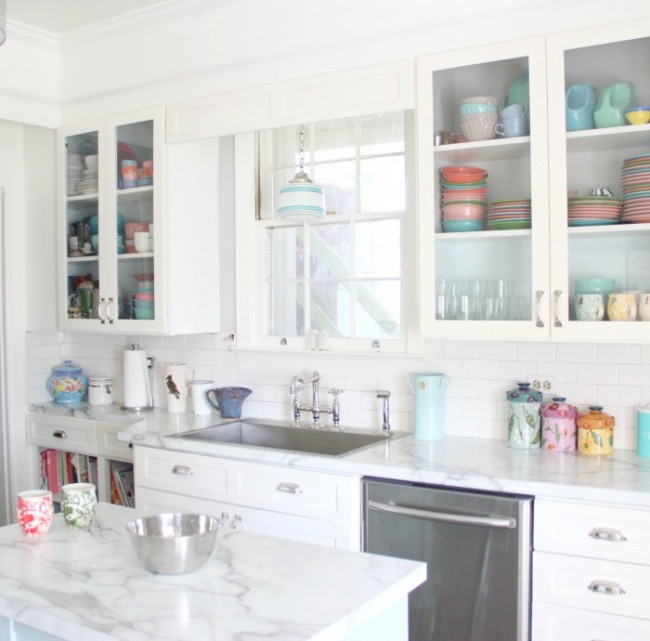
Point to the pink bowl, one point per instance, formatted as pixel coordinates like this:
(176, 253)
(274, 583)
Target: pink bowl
(463, 211)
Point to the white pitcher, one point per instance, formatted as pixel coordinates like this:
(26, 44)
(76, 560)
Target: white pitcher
(177, 381)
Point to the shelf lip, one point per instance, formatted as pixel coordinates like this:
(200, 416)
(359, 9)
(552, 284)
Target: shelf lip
(134, 255)
(484, 234)
(82, 197)
(518, 141)
(597, 132)
(599, 230)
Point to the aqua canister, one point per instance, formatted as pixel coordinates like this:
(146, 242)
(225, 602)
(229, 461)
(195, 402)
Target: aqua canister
(596, 432)
(428, 405)
(524, 417)
(559, 430)
(67, 383)
(643, 431)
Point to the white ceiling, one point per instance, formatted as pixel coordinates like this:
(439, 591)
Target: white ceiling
(60, 16)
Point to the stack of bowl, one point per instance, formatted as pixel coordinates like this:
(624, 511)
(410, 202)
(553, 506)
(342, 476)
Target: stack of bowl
(463, 201)
(144, 298)
(479, 117)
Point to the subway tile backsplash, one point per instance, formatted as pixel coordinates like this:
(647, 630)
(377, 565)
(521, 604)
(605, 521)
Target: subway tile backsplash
(614, 376)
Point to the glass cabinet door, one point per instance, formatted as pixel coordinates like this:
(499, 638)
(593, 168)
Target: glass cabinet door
(483, 197)
(601, 183)
(82, 215)
(133, 270)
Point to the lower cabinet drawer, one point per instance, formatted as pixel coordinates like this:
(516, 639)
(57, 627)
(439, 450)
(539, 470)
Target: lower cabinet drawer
(603, 587)
(61, 433)
(557, 623)
(179, 472)
(109, 445)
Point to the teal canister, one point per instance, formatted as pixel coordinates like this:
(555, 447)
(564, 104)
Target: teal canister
(428, 405)
(643, 431)
(524, 421)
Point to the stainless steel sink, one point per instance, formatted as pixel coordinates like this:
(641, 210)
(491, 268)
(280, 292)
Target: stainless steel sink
(280, 435)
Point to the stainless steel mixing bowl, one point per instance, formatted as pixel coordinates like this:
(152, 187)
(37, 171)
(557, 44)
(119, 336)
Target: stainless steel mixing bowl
(173, 543)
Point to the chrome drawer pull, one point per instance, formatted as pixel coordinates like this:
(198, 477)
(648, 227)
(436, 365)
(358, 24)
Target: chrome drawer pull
(607, 534)
(59, 434)
(289, 488)
(183, 470)
(606, 587)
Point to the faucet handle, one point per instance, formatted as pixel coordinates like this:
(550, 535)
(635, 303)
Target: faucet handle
(335, 392)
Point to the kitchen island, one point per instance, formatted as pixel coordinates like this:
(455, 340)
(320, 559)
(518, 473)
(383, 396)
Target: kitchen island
(73, 584)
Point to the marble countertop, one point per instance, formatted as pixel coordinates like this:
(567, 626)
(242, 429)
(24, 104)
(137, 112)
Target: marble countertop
(621, 478)
(89, 585)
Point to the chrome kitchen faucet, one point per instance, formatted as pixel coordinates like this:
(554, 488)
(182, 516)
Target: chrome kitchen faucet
(296, 386)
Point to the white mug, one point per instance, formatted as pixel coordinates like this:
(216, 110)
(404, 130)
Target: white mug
(200, 404)
(644, 306)
(141, 241)
(177, 380)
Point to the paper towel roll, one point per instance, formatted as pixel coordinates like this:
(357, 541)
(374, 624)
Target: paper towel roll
(137, 387)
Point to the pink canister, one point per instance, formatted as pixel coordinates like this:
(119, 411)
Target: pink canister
(559, 429)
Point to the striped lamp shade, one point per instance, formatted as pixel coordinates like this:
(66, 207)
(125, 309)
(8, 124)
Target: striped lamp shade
(301, 201)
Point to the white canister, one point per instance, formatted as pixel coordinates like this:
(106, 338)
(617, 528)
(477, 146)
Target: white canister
(200, 404)
(177, 381)
(428, 405)
(100, 390)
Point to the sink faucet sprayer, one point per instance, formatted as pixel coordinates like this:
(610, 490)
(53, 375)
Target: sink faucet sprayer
(385, 395)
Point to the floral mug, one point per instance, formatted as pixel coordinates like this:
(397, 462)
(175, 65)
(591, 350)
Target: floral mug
(590, 307)
(644, 306)
(79, 504)
(35, 511)
(621, 306)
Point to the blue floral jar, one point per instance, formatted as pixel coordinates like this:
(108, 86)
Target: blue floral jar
(67, 383)
(524, 423)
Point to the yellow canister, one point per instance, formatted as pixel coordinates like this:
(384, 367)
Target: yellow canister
(595, 432)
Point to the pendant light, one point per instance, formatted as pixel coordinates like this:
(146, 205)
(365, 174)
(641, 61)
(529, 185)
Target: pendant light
(301, 200)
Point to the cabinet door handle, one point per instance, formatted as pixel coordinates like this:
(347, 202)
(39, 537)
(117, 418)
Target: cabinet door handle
(110, 318)
(289, 488)
(539, 294)
(607, 534)
(182, 470)
(59, 434)
(606, 587)
(556, 298)
(101, 309)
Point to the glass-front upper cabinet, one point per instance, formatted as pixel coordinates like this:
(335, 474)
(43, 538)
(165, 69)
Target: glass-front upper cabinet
(600, 181)
(483, 192)
(110, 206)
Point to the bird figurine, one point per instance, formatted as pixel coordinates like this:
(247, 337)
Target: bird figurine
(171, 386)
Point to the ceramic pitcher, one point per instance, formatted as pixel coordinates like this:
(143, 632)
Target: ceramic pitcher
(177, 380)
(428, 405)
(228, 400)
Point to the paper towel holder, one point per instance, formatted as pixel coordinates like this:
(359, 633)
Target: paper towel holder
(146, 373)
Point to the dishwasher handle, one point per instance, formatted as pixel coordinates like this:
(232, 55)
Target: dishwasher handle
(444, 517)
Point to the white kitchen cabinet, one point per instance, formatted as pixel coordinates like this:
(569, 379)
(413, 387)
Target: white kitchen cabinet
(591, 564)
(95, 439)
(174, 199)
(593, 158)
(546, 261)
(276, 500)
(517, 169)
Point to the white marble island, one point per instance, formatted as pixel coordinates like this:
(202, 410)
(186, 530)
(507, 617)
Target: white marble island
(71, 584)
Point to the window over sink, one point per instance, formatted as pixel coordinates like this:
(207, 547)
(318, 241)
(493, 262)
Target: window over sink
(336, 283)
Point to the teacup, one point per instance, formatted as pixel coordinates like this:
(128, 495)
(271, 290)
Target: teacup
(590, 307)
(644, 306)
(621, 306)
(512, 127)
(513, 111)
(79, 504)
(35, 511)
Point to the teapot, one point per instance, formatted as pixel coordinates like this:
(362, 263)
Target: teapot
(228, 400)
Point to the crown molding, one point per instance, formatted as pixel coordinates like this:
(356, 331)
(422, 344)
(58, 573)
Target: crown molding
(32, 36)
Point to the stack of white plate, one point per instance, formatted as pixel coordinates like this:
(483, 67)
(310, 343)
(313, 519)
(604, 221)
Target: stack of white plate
(593, 210)
(74, 170)
(88, 184)
(635, 186)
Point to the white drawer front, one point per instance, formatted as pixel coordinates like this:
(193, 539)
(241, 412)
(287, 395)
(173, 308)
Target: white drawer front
(565, 580)
(318, 495)
(70, 435)
(598, 531)
(181, 473)
(109, 445)
(556, 623)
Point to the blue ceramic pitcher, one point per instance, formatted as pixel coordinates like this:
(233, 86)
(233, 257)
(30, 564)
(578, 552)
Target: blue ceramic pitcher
(228, 400)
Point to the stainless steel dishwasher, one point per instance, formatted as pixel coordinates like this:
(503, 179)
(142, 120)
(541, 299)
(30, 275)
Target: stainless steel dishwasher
(477, 546)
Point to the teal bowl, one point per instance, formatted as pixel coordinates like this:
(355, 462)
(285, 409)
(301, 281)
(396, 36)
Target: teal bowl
(604, 286)
(144, 313)
(463, 225)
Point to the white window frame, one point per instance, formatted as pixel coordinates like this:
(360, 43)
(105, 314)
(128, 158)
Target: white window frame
(250, 239)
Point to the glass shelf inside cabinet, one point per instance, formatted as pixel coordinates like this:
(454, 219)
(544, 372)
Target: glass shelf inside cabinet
(82, 224)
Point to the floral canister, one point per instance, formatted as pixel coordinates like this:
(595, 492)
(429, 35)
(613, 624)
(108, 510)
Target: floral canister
(67, 383)
(559, 430)
(523, 417)
(595, 432)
